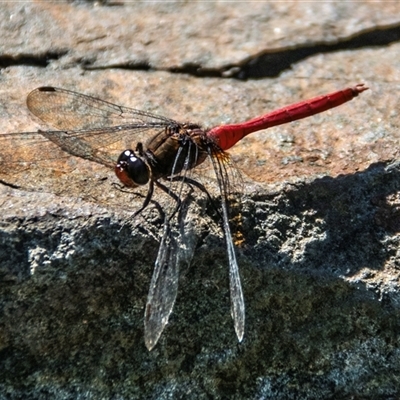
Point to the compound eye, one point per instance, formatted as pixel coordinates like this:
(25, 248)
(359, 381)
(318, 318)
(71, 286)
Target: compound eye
(131, 170)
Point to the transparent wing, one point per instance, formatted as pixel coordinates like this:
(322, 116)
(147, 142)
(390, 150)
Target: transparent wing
(163, 289)
(91, 124)
(18, 151)
(68, 110)
(221, 163)
(90, 128)
(164, 282)
(31, 162)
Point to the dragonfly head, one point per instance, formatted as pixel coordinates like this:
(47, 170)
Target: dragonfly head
(131, 170)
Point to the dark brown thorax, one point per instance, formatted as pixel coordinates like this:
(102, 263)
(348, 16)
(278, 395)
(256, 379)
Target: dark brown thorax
(178, 148)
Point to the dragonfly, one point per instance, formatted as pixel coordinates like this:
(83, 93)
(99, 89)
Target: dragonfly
(164, 150)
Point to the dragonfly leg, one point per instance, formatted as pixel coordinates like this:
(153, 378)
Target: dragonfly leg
(173, 195)
(146, 200)
(139, 149)
(124, 189)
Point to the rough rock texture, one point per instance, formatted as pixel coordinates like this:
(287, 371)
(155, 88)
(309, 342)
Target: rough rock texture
(318, 227)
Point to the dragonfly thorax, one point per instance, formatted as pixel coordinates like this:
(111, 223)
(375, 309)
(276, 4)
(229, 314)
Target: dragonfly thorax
(131, 170)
